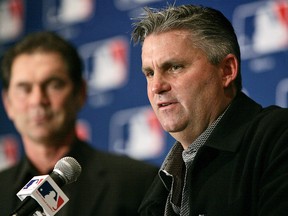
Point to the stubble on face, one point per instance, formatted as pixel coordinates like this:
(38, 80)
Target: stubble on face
(187, 84)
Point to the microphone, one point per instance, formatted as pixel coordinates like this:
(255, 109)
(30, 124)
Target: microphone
(44, 193)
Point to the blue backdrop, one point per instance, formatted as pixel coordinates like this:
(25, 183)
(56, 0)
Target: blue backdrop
(117, 116)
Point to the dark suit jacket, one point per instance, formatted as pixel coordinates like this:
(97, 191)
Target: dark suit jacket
(108, 185)
(242, 170)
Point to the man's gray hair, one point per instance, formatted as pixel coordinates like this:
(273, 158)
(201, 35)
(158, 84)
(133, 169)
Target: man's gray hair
(210, 30)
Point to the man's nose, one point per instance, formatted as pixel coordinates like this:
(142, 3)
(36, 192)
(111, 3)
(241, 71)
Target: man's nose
(160, 84)
(39, 96)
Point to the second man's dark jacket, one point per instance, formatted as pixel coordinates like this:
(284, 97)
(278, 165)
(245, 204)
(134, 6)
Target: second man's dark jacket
(109, 185)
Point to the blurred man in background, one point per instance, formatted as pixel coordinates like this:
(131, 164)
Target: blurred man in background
(43, 91)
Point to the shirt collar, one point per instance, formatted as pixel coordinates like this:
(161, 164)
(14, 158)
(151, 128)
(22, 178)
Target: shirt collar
(189, 154)
(26, 172)
(174, 161)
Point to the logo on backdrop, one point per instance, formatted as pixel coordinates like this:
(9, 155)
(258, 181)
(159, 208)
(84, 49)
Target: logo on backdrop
(269, 23)
(9, 151)
(137, 133)
(106, 68)
(262, 30)
(131, 4)
(83, 130)
(11, 19)
(57, 13)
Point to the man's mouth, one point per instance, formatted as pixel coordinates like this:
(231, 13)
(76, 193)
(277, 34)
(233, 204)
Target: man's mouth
(164, 104)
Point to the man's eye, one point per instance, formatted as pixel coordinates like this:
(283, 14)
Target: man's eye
(56, 84)
(24, 89)
(149, 74)
(175, 67)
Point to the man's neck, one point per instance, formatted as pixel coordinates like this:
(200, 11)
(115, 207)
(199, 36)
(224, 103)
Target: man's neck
(44, 156)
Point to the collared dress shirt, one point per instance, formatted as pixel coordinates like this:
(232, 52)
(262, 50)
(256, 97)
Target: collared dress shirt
(174, 172)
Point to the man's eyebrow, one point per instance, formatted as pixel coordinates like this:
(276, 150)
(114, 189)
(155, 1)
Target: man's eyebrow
(23, 82)
(53, 78)
(163, 65)
(146, 69)
(45, 81)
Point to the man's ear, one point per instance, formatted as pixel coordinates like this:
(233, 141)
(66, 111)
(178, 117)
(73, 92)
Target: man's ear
(82, 95)
(230, 69)
(6, 103)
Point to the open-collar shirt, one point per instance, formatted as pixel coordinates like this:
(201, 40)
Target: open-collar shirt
(175, 167)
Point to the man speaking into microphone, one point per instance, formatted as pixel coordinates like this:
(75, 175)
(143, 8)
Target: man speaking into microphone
(43, 91)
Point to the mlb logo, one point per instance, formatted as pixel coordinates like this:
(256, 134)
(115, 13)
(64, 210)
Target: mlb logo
(46, 192)
(50, 195)
(131, 4)
(11, 19)
(9, 151)
(269, 22)
(59, 13)
(106, 68)
(33, 183)
(83, 130)
(137, 133)
(97, 55)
